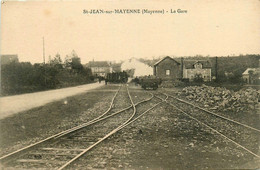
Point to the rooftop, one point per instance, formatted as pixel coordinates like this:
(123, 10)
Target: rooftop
(246, 72)
(189, 64)
(98, 64)
(8, 58)
(164, 59)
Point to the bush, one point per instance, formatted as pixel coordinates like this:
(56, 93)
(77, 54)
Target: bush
(17, 78)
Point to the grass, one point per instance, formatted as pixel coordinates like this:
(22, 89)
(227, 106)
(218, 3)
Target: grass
(23, 128)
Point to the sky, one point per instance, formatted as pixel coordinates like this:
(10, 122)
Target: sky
(210, 27)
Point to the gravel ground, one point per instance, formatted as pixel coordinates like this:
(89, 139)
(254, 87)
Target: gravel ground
(104, 151)
(165, 139)
(161, 139)
(243, 117)
(244, 136)
(33, 125)
(82, 138)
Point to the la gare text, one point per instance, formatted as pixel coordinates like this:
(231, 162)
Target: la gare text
(134, 11)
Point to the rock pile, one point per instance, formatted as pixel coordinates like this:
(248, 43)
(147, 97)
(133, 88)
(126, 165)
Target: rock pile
(221, 99)
(171, 84)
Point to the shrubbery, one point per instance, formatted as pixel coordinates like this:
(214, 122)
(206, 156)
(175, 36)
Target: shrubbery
(17, 78)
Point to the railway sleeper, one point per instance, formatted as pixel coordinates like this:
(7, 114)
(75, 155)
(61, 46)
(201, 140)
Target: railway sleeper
(38, 154)
(36, 161)
(50, 157)
(82, 140)
(62, 149)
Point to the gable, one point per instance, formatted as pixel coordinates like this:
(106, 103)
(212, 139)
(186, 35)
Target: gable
(167, 59)
(189, 64)
(98, 64)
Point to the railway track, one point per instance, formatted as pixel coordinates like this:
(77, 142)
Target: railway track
(3, 158)
(62, 149)
(214, 114)
(233, 131)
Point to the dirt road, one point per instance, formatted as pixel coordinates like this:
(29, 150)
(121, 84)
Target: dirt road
(14, 104)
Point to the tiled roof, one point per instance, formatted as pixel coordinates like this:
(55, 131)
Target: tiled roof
(189, 64)
(253, 69)
(164, 59)
(98, 64)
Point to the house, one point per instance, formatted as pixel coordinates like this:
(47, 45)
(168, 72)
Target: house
(99, 68)
(116, 67)
(170, 69)
(251, 75)
(201, 69)
(167, 69)
(136, 68)
(7, 59)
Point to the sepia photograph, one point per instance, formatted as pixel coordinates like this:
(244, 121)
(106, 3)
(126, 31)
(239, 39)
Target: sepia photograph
(123, 84)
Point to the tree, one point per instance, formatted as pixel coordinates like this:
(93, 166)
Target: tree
(73, 62)
(56, 61)
(67, 61)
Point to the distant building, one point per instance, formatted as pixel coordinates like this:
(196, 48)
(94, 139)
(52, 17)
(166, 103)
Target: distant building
(136, 68)
(99, 68)
(170, 69)
(167, 69)
(7, 59)
(251, 75)
(192, 69)
(116, 67)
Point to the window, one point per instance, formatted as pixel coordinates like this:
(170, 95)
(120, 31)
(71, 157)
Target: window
(198, 66)
(168, 72)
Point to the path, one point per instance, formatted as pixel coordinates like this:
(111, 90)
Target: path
(14, 104)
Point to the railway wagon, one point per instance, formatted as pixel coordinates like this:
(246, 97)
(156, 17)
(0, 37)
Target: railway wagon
(117, 77)
(150, 82)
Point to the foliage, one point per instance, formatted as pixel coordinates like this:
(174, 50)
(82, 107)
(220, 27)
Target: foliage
(73, 62)
(56, 61)
(24, 77)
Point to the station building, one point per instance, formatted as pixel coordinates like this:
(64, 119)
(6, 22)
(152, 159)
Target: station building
(171, 69)
(202, 69)
(167, 69)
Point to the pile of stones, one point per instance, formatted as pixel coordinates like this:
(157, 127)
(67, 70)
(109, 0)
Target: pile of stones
(222, 99)
(171, 84)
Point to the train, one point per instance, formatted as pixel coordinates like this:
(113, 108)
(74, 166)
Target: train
(149, 82)
(116, 77)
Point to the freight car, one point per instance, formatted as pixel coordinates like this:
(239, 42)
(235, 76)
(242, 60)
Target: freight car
(117, 77)
(150, 82)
